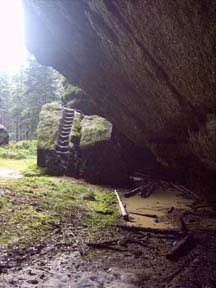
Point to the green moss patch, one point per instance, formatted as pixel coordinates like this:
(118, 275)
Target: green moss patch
(94, 129)
(31, 207)
(70, 92)
(47, 132)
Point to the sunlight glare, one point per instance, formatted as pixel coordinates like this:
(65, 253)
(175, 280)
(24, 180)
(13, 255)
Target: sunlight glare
(12, 47)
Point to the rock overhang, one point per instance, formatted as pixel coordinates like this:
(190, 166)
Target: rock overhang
(149, 67)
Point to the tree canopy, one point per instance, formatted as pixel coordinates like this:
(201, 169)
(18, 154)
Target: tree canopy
(22, 95)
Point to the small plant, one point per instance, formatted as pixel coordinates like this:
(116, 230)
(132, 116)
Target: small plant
(70, 92)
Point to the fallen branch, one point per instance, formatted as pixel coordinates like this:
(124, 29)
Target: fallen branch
(182, 248)
(149, 230)
(104, 243)
(143, 214)
(126, 241)
(151, 184)
(186, 191)
(133, 192)
(184, 227)
(122, 208)
(98, 246)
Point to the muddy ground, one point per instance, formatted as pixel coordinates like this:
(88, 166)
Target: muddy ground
(136, 259)
(123, 259)
(131, 265)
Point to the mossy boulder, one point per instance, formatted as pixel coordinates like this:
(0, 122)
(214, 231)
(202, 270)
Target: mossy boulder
(98, 153)
(4, 136)
(94, 129)
(47, 136)
(95, 156)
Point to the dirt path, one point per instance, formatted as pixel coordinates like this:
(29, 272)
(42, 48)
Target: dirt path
(10, 173)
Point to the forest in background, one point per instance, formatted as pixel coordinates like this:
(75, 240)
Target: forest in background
(22, 94)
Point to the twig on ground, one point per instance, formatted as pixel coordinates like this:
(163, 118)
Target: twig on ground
(143, 214)
(182, 248)
(122, 208)
(149, 230)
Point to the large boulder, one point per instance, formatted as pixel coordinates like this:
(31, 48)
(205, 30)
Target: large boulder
(4, 136)
(47, 137)
(95, 156)
(147, 66)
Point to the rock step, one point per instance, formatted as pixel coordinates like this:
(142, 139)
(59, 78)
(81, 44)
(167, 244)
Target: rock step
(67, 124)
(70, 117)
(63, 153)
(68, 109)
(62, 148)
(63, 142)
(63, 145)
(64, 139)
(67, 128)
(68, 121)
(65, 134)
(70, 114)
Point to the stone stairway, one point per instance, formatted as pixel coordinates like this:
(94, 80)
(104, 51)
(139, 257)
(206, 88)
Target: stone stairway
(63, 146)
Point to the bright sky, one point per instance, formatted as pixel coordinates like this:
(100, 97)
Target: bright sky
(12, 47)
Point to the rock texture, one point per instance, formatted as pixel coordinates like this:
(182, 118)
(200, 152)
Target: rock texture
(148, 66)
(4, 136)
(47, 136)
(95, 156)
(96, 152)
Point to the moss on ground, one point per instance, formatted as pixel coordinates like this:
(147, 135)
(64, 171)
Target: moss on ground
(32, 206)
(16, 165)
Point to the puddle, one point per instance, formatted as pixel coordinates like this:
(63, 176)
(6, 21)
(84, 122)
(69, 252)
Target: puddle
(10, 174)
(158, 204)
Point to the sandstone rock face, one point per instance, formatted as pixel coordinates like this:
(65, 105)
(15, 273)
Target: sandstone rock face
(147, 66)
(4, 137)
